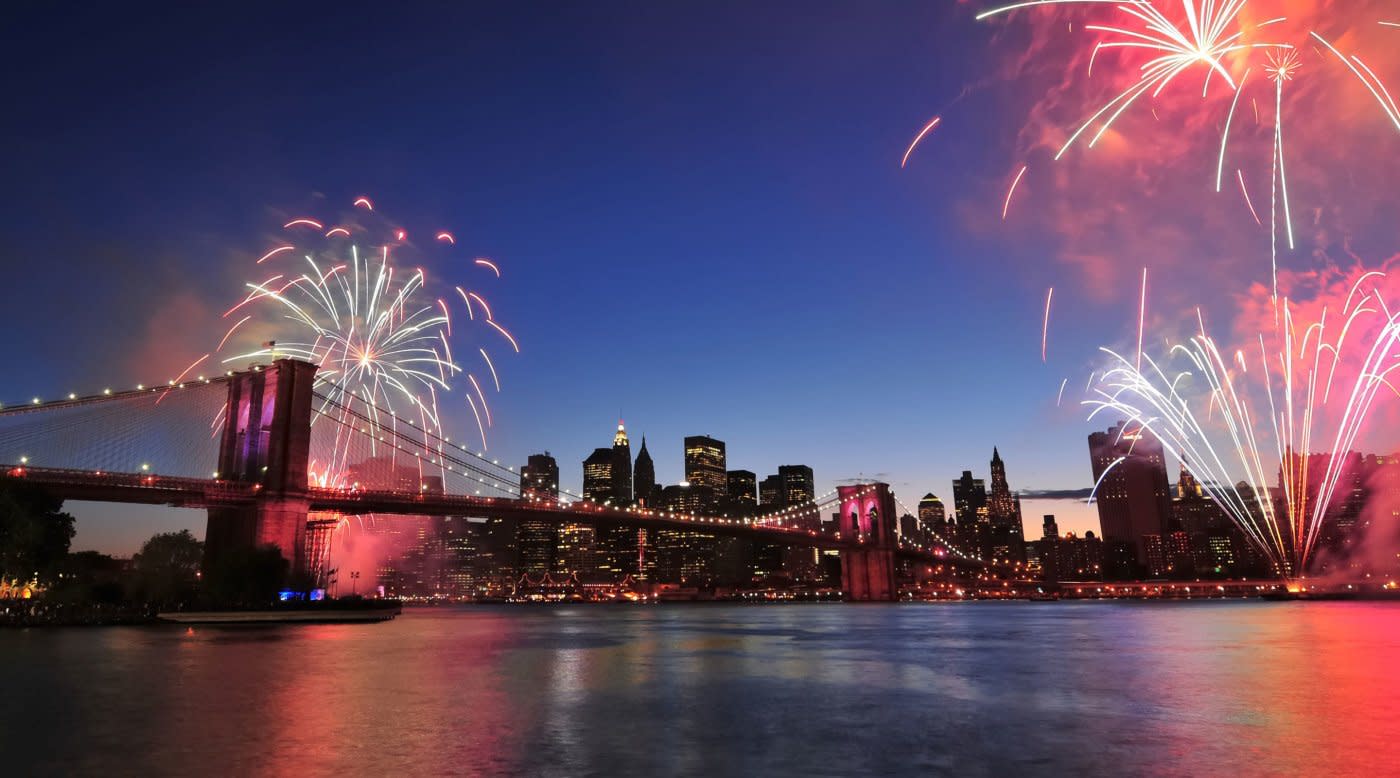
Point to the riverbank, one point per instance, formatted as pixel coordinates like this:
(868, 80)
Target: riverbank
(38, 613)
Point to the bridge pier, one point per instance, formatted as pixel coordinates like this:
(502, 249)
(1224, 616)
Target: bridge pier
(266, 441)
(867, 523)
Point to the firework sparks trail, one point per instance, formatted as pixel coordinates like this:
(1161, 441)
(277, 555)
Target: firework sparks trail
(1377, 89)
(1281, 68)
(1231, 458)
(1142, 316)
(370, 325)
(917, 138)
(1045, 325)
(1225, 136)
(1247, 201)
(1060, 398)
(489, 364)
(1011, 192)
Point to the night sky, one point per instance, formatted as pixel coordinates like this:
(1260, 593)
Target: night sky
(698, 210)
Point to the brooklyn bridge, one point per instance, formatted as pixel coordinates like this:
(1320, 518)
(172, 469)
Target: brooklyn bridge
(263, 449)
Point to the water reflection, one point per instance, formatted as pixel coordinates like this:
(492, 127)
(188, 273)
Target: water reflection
(971, 689)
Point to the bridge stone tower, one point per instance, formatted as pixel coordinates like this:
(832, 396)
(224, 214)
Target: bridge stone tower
(867, 521)
(266, 441)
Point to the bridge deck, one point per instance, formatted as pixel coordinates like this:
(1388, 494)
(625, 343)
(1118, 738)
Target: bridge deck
(155, 489)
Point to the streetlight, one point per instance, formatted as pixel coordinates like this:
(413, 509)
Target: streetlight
(354, 582)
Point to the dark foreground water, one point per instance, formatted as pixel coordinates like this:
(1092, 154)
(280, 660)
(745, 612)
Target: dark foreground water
(954, 689)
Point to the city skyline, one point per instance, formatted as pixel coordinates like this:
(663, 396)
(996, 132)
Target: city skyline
(701, 388)
(799, 249)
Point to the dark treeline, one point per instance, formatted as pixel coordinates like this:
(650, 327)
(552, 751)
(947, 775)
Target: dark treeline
(88, 587)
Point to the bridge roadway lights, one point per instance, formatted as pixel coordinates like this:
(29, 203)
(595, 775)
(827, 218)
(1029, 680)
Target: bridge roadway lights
(867, 518)
(266, 442)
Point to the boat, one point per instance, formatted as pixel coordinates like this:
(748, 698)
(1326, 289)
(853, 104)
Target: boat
(319, 612)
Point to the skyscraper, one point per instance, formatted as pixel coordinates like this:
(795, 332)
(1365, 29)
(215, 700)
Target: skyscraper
(621, 467)
(1008, 537)
(771, 493)
(598, 476)
(933, 516)
(970, 500)
(799, 485)
(535, 541)
(704, 467)
(742, 487)
(617, 545)
(644, 477)
(539, 478)
(1134, 497)
(932, 513)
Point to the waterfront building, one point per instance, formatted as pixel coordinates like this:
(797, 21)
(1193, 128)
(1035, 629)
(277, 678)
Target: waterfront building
(705, 468)
(970, 501)
(621, 468)
(771, 493)
(644, 486)
(1134, 498)
(933, 515)
(799, 485)
(1007, 539)
(742, 488)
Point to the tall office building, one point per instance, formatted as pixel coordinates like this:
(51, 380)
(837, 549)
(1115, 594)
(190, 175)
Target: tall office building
(932, 513)
(644, 477)
(598, 476)
(799, 486)
(933, 517)
(535, 541)
(970, 501)
(683, 555)
(622, 467)
(1134, 497)
(1008, 537)
(771, 493)
(704, 467)
(742, 488)
(969, 496)
(617, 551)
(539, 478)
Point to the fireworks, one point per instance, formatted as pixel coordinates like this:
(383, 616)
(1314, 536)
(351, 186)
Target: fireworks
(1045, 325)
(378, 336)
(1011, 191)
(919, 138)
(1299, 382)
(1210, 32)
(1281, 68)
(1175, 37)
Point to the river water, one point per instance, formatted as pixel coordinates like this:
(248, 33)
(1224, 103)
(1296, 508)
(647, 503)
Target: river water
(1243, 688)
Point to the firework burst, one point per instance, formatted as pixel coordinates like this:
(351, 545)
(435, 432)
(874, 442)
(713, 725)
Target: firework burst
(342, 299)
(1233, 427)
(1208, 32)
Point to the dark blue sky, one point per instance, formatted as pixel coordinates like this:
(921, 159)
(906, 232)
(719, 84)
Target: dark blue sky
(697, 206)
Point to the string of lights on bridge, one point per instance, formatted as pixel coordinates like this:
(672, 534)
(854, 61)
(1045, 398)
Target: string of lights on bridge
(949, 547)
(778, 520)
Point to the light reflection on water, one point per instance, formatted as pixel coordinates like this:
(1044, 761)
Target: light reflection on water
(966, 689)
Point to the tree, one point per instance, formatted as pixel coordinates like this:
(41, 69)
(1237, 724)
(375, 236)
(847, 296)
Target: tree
(88, 577)
(249, 577)
(167, 567)
(34, 532)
